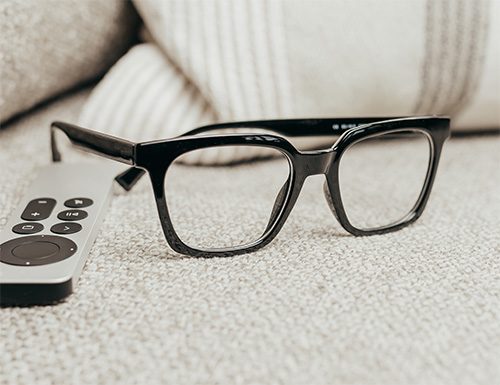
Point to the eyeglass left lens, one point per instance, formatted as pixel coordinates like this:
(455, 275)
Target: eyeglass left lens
(382, 177)
(227, 205)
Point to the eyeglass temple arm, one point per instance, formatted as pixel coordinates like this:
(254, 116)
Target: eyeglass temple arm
(101, 144)
(124, 151)
(295, 127)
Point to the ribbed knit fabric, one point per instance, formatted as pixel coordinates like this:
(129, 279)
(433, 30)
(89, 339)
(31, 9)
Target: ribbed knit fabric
(142, 95)
(236, 60)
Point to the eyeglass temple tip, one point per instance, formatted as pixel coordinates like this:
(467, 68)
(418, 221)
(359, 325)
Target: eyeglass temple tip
(129, 177)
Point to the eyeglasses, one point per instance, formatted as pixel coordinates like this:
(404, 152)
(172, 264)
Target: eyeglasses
(379, 174)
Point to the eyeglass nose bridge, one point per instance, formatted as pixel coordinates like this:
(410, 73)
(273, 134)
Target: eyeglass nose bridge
(316, 162)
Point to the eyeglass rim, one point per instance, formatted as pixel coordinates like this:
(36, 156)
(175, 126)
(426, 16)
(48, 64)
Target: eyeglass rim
(435, 129)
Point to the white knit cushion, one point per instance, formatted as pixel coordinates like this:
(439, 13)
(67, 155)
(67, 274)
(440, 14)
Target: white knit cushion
(221, 60)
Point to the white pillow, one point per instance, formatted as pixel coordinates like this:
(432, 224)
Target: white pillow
(220, 61)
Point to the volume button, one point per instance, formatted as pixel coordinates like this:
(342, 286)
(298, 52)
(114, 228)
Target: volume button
(38, 209)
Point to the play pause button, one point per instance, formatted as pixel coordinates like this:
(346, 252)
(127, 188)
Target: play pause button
(72, 215)
(66, 228)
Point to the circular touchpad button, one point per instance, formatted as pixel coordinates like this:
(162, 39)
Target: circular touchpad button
(36, 250)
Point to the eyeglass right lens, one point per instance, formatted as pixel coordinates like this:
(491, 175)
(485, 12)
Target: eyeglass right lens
(381, 178)
(226, 201)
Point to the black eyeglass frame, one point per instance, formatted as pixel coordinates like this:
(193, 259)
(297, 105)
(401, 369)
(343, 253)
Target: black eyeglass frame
(155, 157)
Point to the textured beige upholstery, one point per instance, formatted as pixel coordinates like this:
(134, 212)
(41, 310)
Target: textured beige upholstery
(317, 306)
(50, 46)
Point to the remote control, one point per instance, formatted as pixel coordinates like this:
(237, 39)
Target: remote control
(45, 243)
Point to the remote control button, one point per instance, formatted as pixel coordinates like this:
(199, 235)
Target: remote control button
(78, 203)
(72, 215)
(36, 250)
(27, 228)
(38, 209)
(66, 228)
